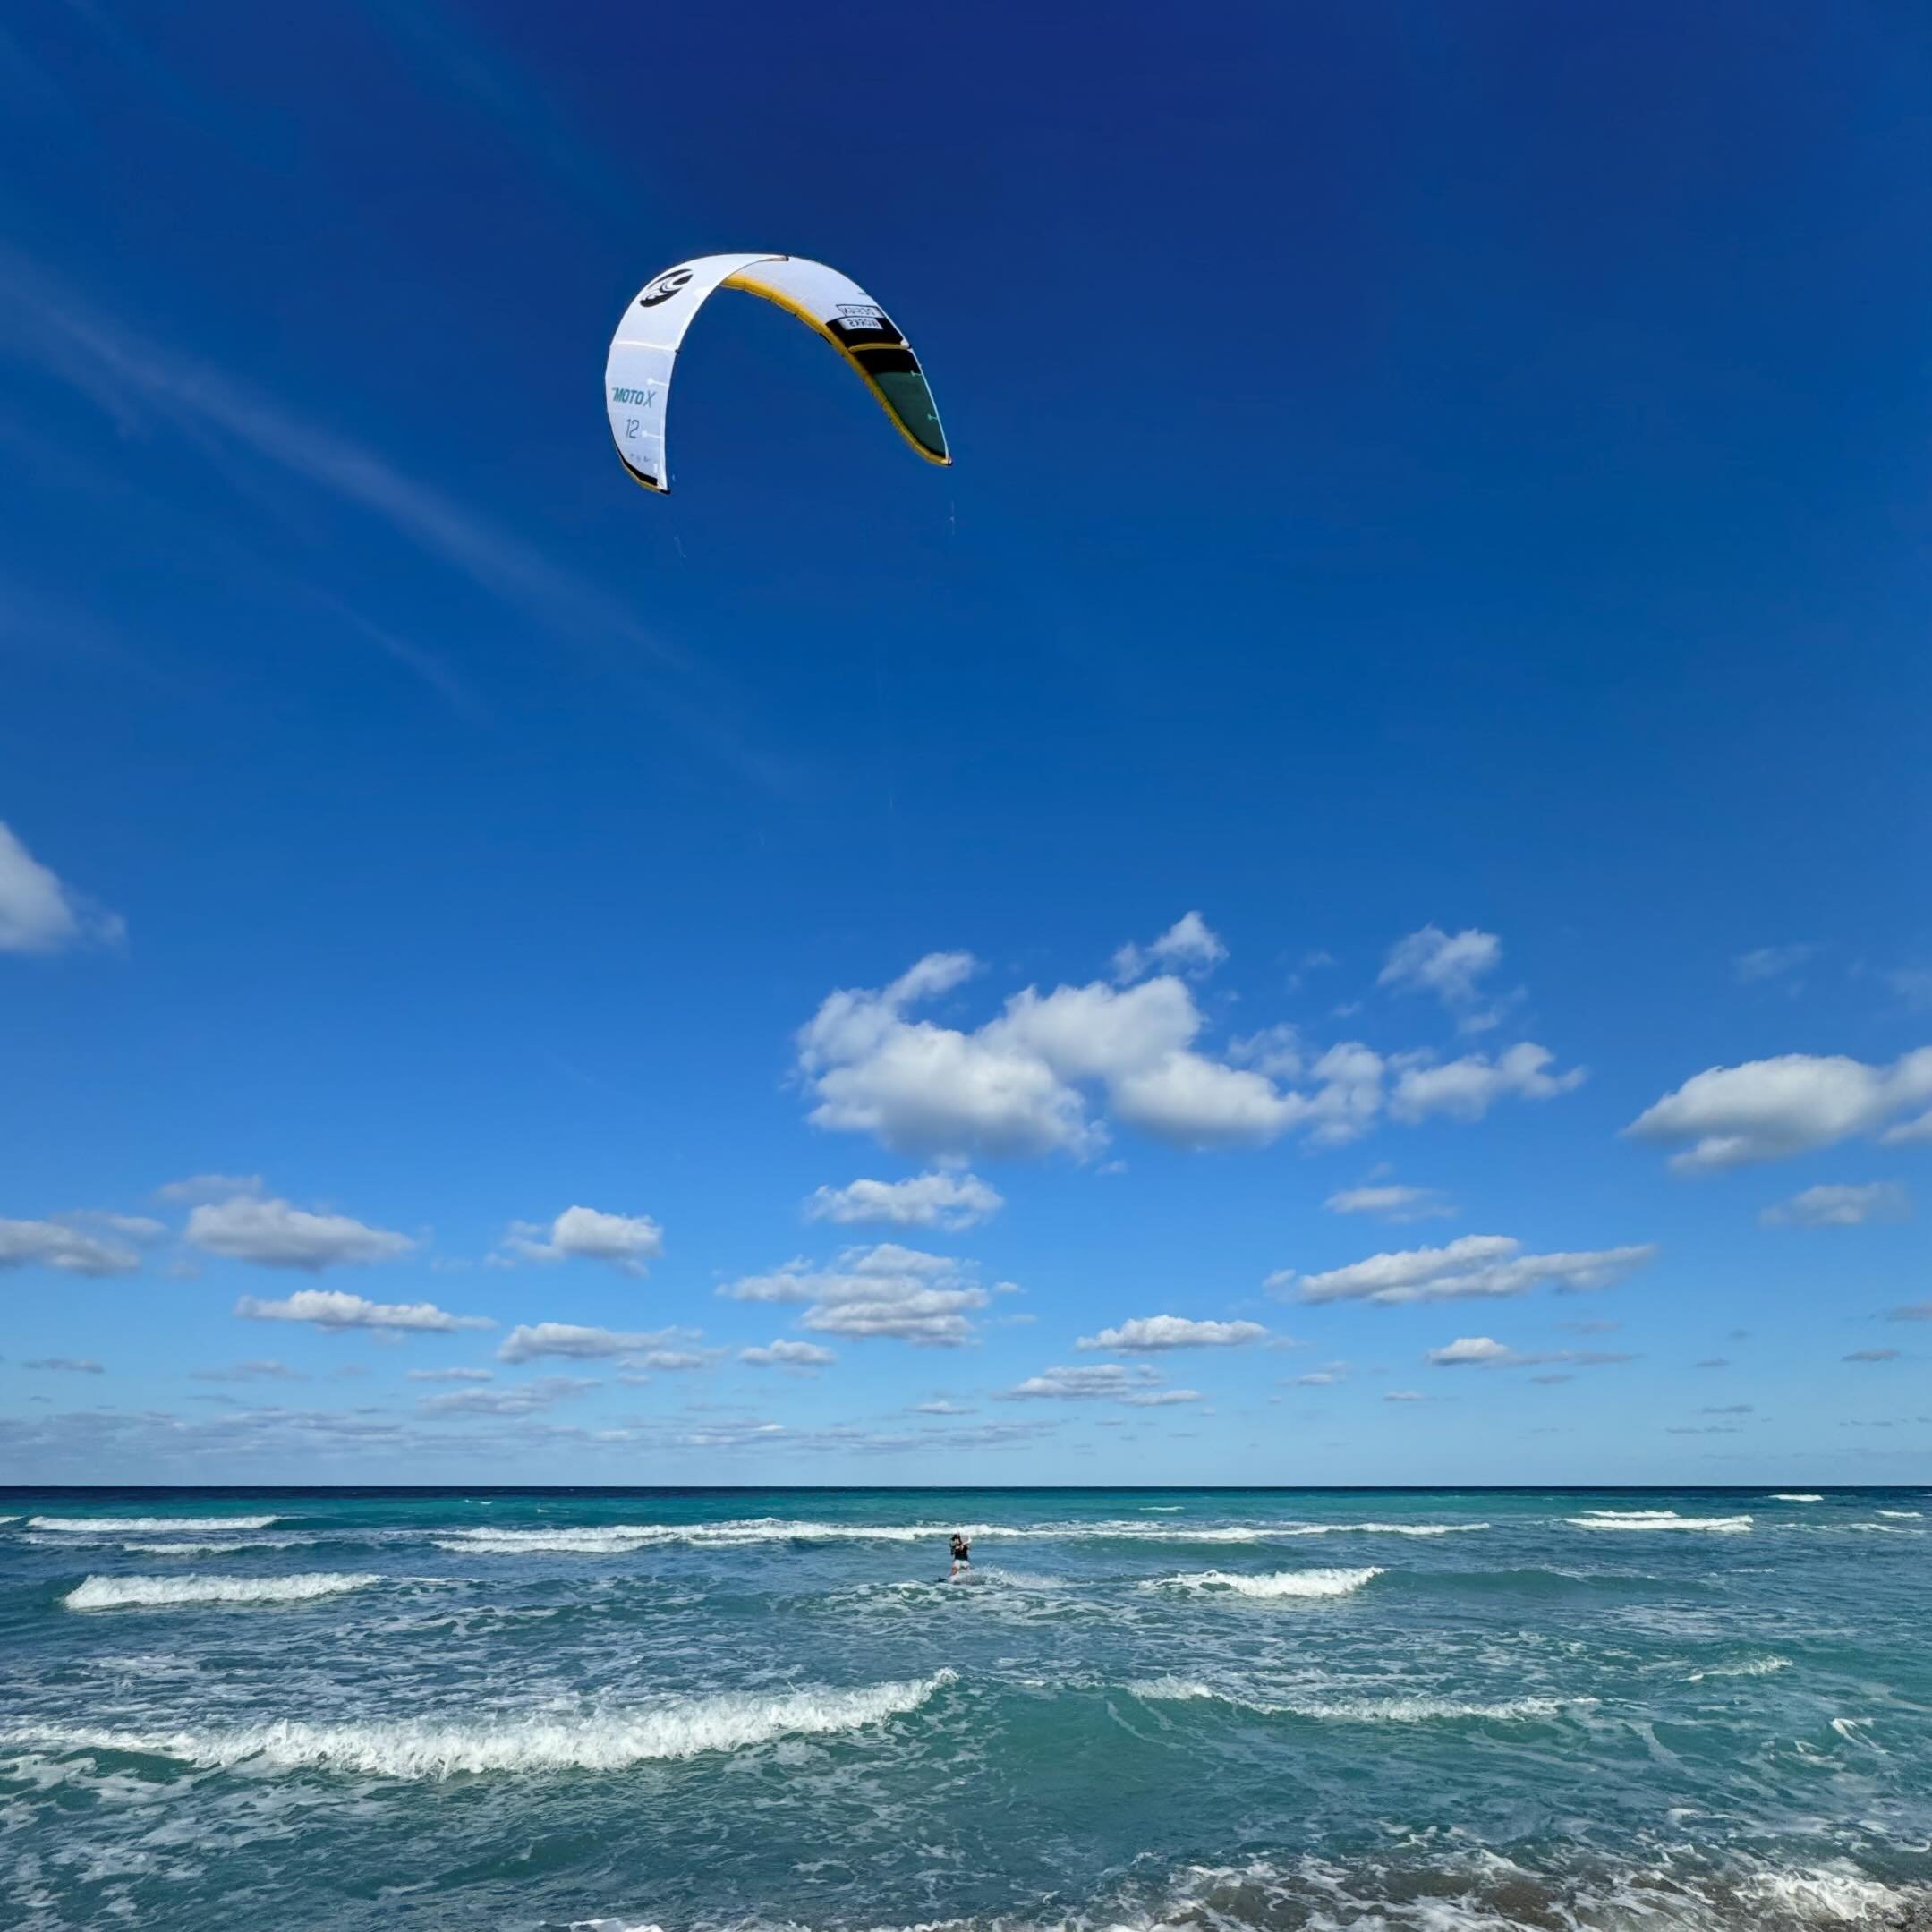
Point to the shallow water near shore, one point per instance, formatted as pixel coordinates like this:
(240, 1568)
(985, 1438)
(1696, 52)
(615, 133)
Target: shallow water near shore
(1429, 1710)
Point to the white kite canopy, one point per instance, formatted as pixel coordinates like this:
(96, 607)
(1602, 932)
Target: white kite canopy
(637, 379)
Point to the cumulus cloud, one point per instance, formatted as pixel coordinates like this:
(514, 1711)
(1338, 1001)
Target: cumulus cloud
(1466, 1089)
(1190, 945)
(1841, 1206)
(332, 1308)
(40, 914)
(1483, 1351)
(255, 1371)
(941, 1408)
(452, 1374)
(1150, 1334)
(1767, 1110)
(199, 1187)
(1160, 1398)
(52, 1244)
(1403, 1395)
(1475, 1266)
(1318, 1378)
(626, 1241)
(274, 1234)
(1038, 1077)
(1392, 1203)
(948, 1200)
(802, 1358)
(530, 1342)
(885, 1291)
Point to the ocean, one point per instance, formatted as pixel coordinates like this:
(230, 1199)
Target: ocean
(510, 1710)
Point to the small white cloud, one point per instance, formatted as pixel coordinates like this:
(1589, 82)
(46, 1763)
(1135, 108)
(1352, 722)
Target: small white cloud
(1773, 963)
(1483, 1351)
(1450, 966)
(940, 1409)
(1160, 1398)
(1103, 1381)
(1841, 1206)
(885, 1291)
(1403, 1395)
(1392, 1203)
(1767, 1110)
(1148, 1334)
(274, 1234)
(451, 1374)
(1475, 1266)
(65, 1365)
(1470, 1349)
(625, 1241)
(199, 1187)
(1317, 1378)
(951, 1201)
(1466, 1089)
(331, 1308)
(40, 914)
(526, 1399)
(1190, 945)
(52, 1244)
(530, 1342)
(802, 1358)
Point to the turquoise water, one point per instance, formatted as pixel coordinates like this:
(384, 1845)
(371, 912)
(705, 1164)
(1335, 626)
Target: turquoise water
(1434, 1711)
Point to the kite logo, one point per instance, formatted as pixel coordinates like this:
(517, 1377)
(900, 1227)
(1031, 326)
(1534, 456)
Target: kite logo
(670, 283)
(645, 397)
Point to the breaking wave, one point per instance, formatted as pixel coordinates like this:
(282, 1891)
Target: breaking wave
(1658, 1519)
(1749, 1667)
(1794, 1495)
(156, 1593)
(108, 1525)
(1282, 1583)
(596, 1740)
(1407, 1710)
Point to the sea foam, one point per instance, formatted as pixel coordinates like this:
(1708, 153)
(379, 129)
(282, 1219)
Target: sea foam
(596, 1740)
(1282, 1583)
(165, 1593)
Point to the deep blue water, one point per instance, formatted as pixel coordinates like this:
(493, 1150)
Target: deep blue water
(299, 1709)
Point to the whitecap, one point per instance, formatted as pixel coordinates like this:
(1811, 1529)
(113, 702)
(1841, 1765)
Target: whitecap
(1281, 1583)
(1908, 1515)
(1402, 1710)
(159, 1593)
(1660, 1519)
(585, 1740)
(107, 1526)
(1794, 1495)
(1749, 1667)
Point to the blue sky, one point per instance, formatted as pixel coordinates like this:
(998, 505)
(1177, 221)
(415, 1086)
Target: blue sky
(1420, 659)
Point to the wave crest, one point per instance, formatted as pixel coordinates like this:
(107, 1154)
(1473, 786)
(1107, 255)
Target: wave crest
(118, 1525)
(601, 1740)
(1280, 1583)
(159, 1593)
